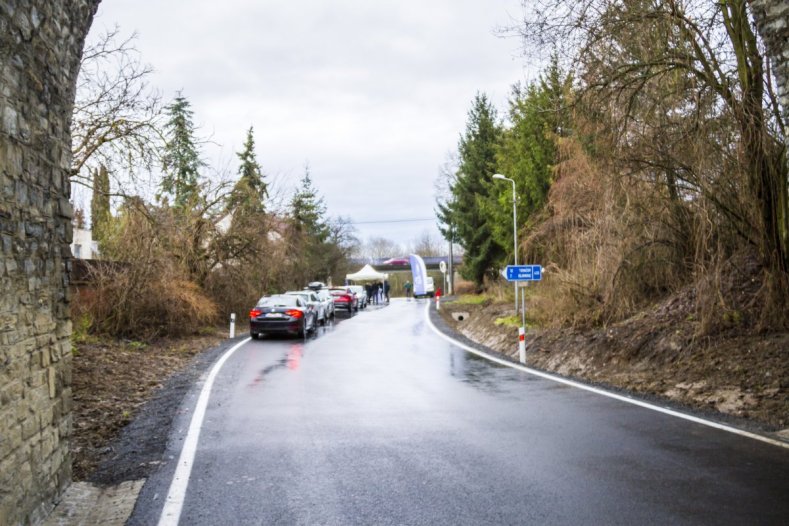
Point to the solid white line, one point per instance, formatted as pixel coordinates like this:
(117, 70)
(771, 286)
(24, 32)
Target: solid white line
(171, 512)
(640, 403)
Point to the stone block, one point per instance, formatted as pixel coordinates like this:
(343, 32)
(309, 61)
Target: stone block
(48, 444)
(11, 392)
(10, 121)
(8, 322)
(30, 426)
(11, 438)
(52, 381)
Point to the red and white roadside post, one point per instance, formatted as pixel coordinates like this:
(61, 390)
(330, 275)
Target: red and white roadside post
(522, 344)
(522, 275)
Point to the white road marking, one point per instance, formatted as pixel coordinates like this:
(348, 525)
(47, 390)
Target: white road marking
(640, 403)
(171, 512)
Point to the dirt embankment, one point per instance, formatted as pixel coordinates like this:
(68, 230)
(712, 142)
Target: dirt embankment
(741, 377)
(112, 379)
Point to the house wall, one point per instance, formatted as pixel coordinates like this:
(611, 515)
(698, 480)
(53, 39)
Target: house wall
(82, 245)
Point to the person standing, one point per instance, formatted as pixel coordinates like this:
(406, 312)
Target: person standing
(407, 289)
(386, 290)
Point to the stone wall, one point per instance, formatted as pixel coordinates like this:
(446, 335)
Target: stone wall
(772, 20)
(40, 46)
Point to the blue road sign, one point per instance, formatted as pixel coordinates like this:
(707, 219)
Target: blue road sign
(524, 272)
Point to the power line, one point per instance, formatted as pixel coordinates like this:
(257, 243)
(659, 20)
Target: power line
(392, 221)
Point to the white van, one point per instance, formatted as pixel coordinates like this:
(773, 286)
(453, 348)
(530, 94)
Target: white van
(430, 289)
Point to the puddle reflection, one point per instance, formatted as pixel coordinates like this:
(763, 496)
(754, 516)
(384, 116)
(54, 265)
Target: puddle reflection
(483, 374)
(291, 361)
(294, 356)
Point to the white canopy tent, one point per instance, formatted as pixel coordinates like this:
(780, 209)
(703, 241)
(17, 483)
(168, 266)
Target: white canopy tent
(367, 273)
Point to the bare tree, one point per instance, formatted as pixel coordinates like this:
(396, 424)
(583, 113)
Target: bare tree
(428, 244)
(378, 248)
(708, 58)
(116, 115)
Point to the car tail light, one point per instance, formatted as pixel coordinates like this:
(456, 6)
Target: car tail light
(254, 313)
(293, 313)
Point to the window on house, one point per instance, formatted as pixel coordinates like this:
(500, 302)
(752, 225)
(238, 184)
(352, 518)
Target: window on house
(77, 251)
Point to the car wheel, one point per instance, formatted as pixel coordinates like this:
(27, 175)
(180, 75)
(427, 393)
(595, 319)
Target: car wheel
(254, 335)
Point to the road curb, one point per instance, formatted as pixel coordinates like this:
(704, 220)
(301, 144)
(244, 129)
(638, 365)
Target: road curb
(85, 503)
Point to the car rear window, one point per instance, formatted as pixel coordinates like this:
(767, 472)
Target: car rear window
(279, 301)
(307, 295)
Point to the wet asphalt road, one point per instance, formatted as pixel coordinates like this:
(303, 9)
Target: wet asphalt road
(377, 420)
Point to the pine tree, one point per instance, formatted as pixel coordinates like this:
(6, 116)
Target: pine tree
(181, 160)
(308, 210)
(250, 192)
(100, 215)
(468, 209)
(310, 233)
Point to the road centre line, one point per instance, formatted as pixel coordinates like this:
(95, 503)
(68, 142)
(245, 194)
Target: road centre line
(173, 503)
(640, 403)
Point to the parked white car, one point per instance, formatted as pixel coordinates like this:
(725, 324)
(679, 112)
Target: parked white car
(361, 294)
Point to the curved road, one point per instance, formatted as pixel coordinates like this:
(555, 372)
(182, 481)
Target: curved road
(378, 420)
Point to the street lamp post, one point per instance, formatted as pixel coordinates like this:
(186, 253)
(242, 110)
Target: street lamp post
(514, 230)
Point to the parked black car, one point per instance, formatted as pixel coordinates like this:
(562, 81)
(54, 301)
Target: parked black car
(282, 314)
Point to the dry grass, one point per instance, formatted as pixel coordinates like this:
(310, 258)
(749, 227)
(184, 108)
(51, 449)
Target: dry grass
(125, 300)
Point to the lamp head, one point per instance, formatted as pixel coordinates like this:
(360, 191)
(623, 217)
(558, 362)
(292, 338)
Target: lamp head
(498, 176)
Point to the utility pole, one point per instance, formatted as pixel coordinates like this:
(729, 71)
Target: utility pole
(514, 229)
(451, 288)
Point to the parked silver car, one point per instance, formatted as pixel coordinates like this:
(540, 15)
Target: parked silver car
(312, 299)
(328, 300)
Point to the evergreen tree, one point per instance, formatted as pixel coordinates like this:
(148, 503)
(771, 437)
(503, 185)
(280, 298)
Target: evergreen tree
(251, 191)
(308, 210)
(100, 215)
(181, 160)
(538, 116)
(468, 209)
(310, 234)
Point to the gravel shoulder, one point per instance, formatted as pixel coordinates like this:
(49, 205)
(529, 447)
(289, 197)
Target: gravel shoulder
(126, 395)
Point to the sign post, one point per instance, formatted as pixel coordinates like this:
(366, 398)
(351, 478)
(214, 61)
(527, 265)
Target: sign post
(442, 266)
(525, 273)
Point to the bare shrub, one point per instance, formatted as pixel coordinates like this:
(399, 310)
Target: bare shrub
(142, 291)
(130, 299)
(464, 287)
(604, 242)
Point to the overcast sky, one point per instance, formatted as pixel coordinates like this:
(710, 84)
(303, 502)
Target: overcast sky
(373, 94)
